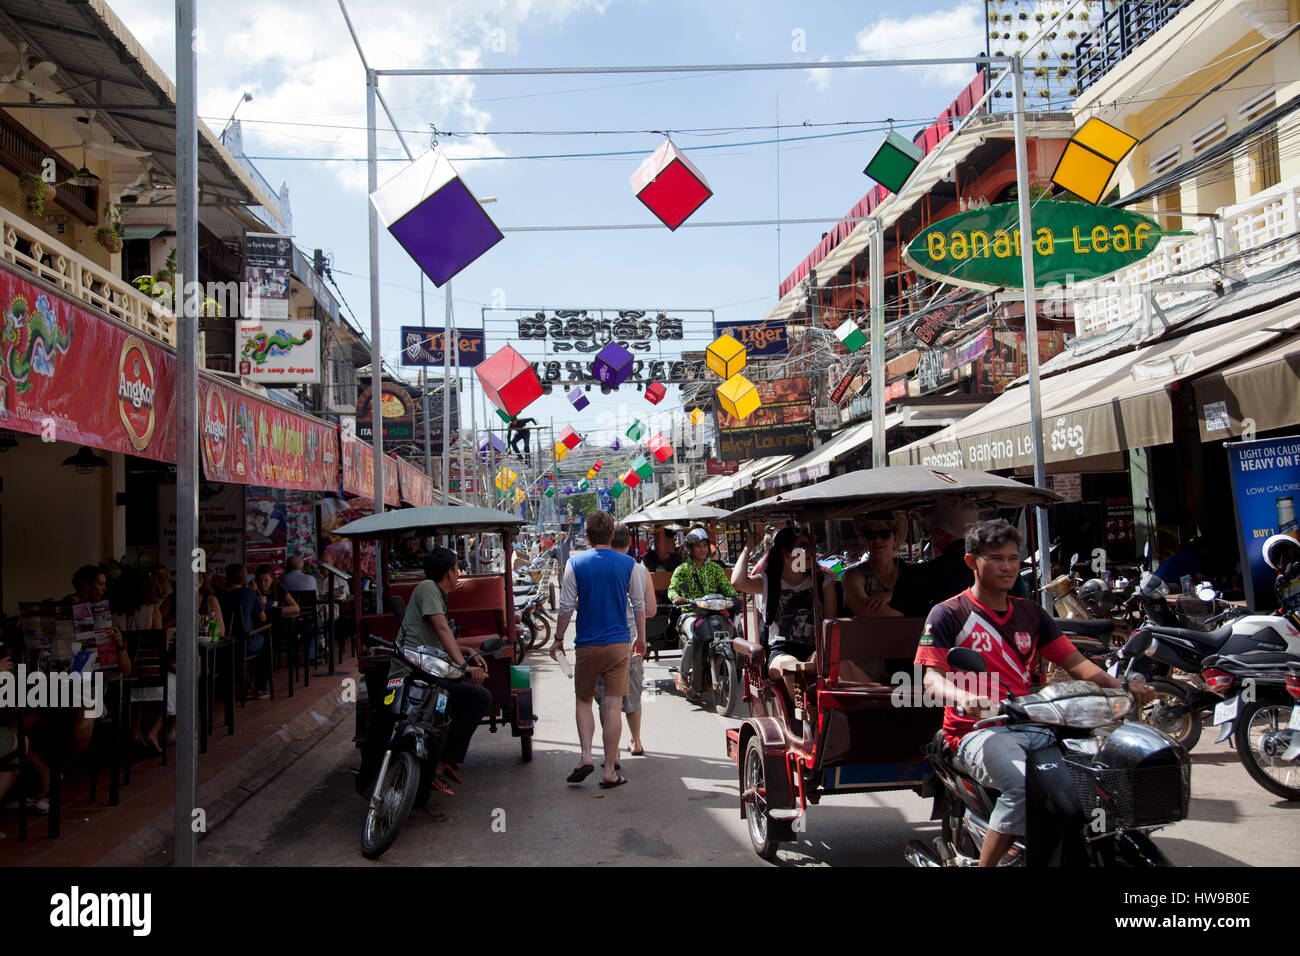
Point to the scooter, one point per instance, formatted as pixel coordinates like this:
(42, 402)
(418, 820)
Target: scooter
(1261, 712)
(1094, 796)
(705, 633)
(418, 709)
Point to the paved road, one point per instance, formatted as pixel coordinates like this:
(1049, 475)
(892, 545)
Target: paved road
(679, 807)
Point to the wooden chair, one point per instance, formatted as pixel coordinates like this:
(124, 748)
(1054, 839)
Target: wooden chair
(235, 628)
(149, 667)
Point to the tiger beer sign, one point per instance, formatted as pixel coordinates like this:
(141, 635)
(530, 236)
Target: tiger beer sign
(760, 339)
(1071, 242)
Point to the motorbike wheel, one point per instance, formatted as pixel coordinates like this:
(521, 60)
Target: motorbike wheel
(396, 796)
(1256, 721)
(726, 687)
(1186, 730)
(526, 747)
(541, 632)
(762, 831)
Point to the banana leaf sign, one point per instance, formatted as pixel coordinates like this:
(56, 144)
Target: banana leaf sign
(1072, 242)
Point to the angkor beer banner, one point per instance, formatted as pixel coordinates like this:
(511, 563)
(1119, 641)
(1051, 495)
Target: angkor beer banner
(782, 426)
(252, 442)
(74, 377)
(359, 471)
(760, 339)
(279, 351)
(417, 487)
(1265, 486)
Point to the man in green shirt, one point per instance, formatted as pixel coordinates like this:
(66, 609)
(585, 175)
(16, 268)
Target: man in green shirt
(698, 576)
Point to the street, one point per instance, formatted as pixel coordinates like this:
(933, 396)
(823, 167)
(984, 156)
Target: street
(678, 809)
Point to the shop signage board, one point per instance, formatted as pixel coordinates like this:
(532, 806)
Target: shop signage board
(268, 260)
(279, 351)
(397, 417)
(359, 471)
(783, 424)
(1265, 488)
(423, 346)
(416, 486)
(760, 339)
(221, 525)
(252, 442)
(715, 467)
(1072, 242)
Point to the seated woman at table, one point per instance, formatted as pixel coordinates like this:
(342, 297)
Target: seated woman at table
(9, 743)
(89, 583)
(134, 606)
(249, 604)
(274, 594)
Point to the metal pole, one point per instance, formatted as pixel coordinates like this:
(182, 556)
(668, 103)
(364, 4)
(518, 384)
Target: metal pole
(446, 393)
(473, 444)
(876, 263)
(1031, 323)
(455, 363)
(187, 431)
(376, 358)
(424, 388)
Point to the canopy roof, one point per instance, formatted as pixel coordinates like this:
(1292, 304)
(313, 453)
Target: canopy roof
(462, 519)
(673, 513)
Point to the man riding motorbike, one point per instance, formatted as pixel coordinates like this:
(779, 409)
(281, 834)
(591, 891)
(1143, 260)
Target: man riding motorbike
(695, 579)
(1010, 633)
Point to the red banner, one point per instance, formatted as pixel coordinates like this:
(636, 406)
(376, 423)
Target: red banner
(359, 471)
(252, 442)
(417, 487)
(71, 376)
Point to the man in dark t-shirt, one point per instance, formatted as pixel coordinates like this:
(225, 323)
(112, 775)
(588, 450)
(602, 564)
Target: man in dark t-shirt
(1009, 633)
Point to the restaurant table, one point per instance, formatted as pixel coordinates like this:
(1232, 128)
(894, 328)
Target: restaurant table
(284, 624)
(208, 651)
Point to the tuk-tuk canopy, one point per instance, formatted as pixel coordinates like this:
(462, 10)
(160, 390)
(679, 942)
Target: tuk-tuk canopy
(435, 519)
(672, 514)
(900, 486)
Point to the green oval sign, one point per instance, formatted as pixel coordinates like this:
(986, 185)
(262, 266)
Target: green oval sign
(1072, 242)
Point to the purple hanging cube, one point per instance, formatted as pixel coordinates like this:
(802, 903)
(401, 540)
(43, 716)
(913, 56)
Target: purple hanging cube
(435, 217)
(578, 400)
(613, 365)
(490, 444)
(615, 445)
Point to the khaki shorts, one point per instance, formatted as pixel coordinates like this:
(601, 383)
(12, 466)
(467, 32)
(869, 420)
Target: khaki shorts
(636, 677)
(608, 661)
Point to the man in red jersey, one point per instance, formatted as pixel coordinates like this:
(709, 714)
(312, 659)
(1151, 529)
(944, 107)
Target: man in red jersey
(1009, 633)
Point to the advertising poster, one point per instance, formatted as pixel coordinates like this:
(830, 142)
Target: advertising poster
(253, 442)
(760, 339)
(422, 345)
(783, 425)
(335, 513)
(416, 486)
(301, 506)
(280, 351)
(268, 260)
(1006, 360)
(397, 414)
(266, 527)
(1265, 487)
(221, 524)
(359, 471)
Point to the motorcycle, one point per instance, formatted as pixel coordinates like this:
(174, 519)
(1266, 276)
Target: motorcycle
(418, 706)
(705, 633)
(1093, 797)
(1261, 712)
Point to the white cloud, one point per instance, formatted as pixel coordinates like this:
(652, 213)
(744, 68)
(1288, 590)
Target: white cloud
(821, 79)
(958, 31)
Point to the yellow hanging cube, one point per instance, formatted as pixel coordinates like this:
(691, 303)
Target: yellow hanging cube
(1090, 158)
(725, 356)
(697, 417)
(738, 397)
(561, 450)
(505, 478)
(519, 496)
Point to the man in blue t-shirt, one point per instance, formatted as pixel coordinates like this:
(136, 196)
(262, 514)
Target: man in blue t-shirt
(596, 583)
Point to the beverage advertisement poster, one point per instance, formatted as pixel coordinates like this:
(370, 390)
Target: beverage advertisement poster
(266, 527)
(1265, 487)
(760, 339)
(782, 425)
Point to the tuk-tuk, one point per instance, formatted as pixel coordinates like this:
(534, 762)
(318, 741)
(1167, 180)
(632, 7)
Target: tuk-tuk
(482, 606)
(837, 735)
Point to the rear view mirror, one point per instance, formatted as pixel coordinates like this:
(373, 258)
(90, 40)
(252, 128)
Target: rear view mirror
(1074, 559)
(1137, 644)
(1207, 593)
(964, 659)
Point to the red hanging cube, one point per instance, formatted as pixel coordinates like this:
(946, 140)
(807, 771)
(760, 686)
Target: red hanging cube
(509, 380)
(596, 466)
(570, 438)
(670, 185)
(655, 392)
(660, 448)
(631, 479)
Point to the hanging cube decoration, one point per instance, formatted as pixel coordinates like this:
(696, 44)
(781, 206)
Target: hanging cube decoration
(738, 397)
(505, 478)
(697, 417)
(509, 381)
(560, 451)
(584, 484)
(725, 356)
(435, 217)
(616, 489)
(502, 415)
(635, 431)
(613, 365)
(1090, 159)
(615, 445)
(578, 400)
(660, 448)
(670, 185)
(655, 392)
(520, 496)
(550, 491)
(641, 465)
(850, 336)
(596, 465)
(896, 160)
(570, 438)
(631, 479)
(490, 444)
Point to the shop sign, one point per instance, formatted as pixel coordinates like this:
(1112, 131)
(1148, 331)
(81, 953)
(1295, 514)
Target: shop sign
(590, 330)
(1072, 242)
(423, 346)
(397, 416)
(216, 434)
(760, 339)
(252, 442)
(268, 260)
(136, 386)
(783, 424)
(715, 467)
(896, 389)
(416, 486)
(359, 471)
(1265, 486)
(279, 351)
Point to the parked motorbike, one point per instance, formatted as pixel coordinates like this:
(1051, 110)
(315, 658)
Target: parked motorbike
(705, 631)
(420, 722)
(1093, 797)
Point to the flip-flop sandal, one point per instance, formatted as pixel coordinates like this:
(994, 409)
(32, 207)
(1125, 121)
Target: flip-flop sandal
(452, 774)
(579, 774)
(439, 784)
(609, 785)
(637, 753)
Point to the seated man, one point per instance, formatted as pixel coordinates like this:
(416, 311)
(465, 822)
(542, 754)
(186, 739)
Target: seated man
(1010, 633)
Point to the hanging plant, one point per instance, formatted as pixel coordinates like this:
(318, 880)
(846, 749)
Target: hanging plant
(1038, 17)
(110, 234)
(1022, 36)
(1040, 71)
(33, 191)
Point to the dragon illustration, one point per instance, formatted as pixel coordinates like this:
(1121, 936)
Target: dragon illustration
(261, 346)
(30, 341)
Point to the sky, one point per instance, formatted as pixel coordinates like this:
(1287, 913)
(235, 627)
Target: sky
(307, 116)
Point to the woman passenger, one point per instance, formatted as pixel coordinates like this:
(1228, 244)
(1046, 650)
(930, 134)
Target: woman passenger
(869, 587)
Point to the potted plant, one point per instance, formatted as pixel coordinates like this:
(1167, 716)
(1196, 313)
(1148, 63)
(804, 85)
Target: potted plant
(110, 234)
(33, 192)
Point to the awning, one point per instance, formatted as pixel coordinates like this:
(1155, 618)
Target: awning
(817, 463)
(748, 474)
(1263, 388)
(141, 232)
(1115, 404)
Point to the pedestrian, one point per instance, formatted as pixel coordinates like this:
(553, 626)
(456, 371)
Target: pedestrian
(596, 582)
(639, 583)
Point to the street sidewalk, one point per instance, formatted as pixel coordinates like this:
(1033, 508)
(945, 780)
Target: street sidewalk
(269, 736)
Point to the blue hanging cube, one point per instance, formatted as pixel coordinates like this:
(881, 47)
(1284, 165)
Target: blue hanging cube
(613, 365)
(578, 400)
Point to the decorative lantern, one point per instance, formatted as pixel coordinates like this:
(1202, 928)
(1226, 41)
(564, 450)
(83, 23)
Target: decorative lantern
(570, 438)
(738, 397)
(616, 489)
(655, 392)
(1090, 158)
(725, 356)
(635, 431)
(631, 479)
(596, 465)
(560, 451)
(894, 162)
(615, 445)
(520, 496)
(641, 466)
(509, 381)
(489, 444)
(697, 416)
(850, 335)
(613, 365)
(550, 491)
(584, 484)
(670, 185)
(660, 448)
(578, 400)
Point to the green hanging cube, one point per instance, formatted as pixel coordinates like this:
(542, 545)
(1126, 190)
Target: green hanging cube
(643, 467)
(502, 415)
(550, 491)
(895, 160)
(616, 489)
(850, 335)
(584, 484)
(636, 430)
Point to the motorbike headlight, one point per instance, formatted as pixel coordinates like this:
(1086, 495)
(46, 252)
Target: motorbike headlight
(426, 660)
(713, 604)
(1093, 710)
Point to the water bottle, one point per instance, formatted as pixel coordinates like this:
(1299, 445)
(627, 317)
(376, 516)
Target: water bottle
(214, 630)
(564, 665)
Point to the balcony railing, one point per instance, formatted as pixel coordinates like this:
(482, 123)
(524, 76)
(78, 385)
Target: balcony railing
(1220, 248)
(41, 254)
(1121, 31)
